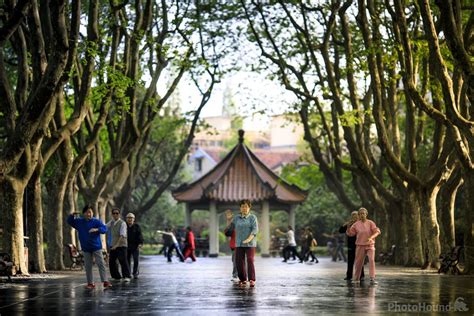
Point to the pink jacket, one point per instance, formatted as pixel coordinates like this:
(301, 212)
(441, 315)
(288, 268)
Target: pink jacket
(363, 232)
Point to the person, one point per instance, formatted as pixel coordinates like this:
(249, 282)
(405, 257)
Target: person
(117, 229)
(290, 249)
(336, 246)
(189, 245)
(134, 243)
(351, 247)
(365, 231)
(89, 230)
(173, 245)
(229, 231)
(246, 229)
(309, 243)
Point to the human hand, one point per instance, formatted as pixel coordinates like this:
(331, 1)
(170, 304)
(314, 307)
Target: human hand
(370, 239)
(140, 246)
(93, 230)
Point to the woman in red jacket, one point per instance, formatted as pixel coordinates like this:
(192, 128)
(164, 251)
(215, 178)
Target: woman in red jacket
(189, 245)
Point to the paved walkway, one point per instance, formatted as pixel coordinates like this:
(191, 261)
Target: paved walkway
(204, 288)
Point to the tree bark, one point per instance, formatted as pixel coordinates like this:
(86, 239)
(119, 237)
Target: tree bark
(429, 224)
(447, 199)
(35, 224)
(12, 211)
(414, 250)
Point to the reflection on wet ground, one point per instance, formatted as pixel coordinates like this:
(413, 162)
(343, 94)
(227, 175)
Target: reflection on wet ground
(204, 287)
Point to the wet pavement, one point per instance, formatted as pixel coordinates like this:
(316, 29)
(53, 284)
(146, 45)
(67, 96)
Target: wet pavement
(204, 288)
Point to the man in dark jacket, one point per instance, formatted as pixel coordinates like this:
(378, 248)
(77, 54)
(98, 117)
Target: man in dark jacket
(135, 242)
(351, 246)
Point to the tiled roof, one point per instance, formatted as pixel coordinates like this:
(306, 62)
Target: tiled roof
(240, 175)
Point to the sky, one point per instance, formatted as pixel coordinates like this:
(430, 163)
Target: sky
(252, 92)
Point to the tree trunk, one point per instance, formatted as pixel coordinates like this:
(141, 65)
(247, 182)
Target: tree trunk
(469, 223)
(35, 223)
(414, 249)
(12, 211)
(447, 199)
(430, 225)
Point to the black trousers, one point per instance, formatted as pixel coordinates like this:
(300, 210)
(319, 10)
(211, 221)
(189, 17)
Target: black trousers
(351, 253)
(290, 251)
(120, 254)
(135, 253)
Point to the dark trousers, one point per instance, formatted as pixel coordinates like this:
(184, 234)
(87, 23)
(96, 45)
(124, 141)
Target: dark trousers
(135, 253)
(351, 252)
(120, 254)
(240, 254)
(290, 251)
(178, 252)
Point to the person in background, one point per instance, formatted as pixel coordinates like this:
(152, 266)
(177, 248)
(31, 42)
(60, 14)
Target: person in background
(189, 245)
(89, 229)
(351, 246)
(174, 245)
(229, 231)
(117, 228)
(365, 231)
(134, 243)
(246, 229)
(290, 249)
(309, 244)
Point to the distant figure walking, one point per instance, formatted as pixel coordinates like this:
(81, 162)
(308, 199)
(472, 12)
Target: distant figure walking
(308, 246)
(134, 243)
(351, 246)
(174, 245)
(366, 231)
(229, 231)
(290, 249)
(246, 229)
(189, 245)
(117, 228)
(89, 229)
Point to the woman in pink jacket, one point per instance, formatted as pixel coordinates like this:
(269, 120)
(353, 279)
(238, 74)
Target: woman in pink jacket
(366, 231)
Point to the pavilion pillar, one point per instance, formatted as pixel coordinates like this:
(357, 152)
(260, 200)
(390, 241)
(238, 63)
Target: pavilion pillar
(291, 216)
(265, 229)
(213, 230)
(187, 215)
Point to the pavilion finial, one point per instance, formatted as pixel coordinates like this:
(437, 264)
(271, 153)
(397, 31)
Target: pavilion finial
(241, 136)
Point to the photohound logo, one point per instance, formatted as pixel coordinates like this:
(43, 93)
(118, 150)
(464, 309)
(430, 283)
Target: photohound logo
(457, 306)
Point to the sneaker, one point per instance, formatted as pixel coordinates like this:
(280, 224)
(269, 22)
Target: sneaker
(347, 279)
(90, 286)
(372, 281)
(107, 284)
(252, 283)
(234, 279)
(135, 276)
(283, 260)
(243, 283)
(127, 279)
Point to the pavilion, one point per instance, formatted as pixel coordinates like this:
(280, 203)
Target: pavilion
(240, 175)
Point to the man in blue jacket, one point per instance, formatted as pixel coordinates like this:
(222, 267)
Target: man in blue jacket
(89, 229)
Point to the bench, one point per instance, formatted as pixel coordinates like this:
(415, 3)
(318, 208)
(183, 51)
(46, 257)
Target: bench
(450, 261)
(6, 265)
(76, 257)
(202, 247)
(387, 257)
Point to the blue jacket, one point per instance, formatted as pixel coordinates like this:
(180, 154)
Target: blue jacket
(244, 226)
(90, 242)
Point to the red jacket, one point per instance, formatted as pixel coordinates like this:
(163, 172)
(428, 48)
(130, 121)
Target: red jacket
(190, 240)
(230, 232)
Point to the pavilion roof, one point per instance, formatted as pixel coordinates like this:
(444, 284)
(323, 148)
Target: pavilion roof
(240, 175)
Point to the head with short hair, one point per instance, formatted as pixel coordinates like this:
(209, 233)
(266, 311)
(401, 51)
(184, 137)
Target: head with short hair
(245, 206)
(189, 229)
(289, 227)
(362, 213)
(88, 212)
(115, 213)
(130, 218)
(354, 215)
